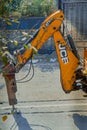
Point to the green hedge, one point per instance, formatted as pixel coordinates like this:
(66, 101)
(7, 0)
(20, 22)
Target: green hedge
(37, 7)
(27, 7)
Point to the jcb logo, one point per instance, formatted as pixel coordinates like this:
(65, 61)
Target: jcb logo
(63, 54)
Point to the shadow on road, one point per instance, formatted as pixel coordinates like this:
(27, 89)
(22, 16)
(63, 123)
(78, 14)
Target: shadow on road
(80, 121)
(22, 123)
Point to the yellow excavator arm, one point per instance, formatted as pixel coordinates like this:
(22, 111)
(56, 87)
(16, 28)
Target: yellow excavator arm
(68, 62)
(47, 29)
(72, 78)
(51, 27)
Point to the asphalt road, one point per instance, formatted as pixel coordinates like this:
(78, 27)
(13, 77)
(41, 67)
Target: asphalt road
(42, 104)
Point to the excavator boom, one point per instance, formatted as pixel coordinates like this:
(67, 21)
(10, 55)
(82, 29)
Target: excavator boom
(47, 29)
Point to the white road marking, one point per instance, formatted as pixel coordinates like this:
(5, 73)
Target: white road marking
(46, 105)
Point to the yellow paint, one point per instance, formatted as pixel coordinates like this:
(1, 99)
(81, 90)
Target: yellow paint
(4, 118)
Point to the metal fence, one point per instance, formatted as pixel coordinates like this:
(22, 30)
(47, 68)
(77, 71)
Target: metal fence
(76, 18)
(24, 23)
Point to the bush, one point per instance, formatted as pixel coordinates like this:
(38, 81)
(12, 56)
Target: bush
(27, 7)
(37, 7)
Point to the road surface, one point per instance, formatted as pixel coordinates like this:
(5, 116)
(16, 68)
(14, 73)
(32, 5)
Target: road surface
(42, 104)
